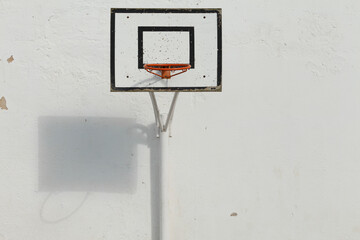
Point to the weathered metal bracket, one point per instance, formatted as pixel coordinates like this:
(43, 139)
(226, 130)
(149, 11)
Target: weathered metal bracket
(161, 127)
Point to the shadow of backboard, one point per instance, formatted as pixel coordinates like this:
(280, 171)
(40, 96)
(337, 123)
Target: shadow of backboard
(88, 154)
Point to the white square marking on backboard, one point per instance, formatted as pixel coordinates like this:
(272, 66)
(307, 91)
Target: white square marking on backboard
(166, 47)
(169, 46)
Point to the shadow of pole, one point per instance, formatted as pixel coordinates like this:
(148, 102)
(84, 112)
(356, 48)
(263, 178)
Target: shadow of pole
(154, 145)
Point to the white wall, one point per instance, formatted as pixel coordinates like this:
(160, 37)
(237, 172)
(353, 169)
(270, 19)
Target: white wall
(279, 145)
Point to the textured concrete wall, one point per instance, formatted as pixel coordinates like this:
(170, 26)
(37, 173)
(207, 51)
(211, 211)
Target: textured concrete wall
(274, 156)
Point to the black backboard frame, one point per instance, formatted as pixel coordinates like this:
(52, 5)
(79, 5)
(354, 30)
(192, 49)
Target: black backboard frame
(217, 88)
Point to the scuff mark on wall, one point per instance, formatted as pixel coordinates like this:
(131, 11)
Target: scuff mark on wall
(234, 214)
(10, 59)
(3, 103)
(356, 229)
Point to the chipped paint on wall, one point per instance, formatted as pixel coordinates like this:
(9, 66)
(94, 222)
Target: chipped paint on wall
(3, 103)
(10, 59)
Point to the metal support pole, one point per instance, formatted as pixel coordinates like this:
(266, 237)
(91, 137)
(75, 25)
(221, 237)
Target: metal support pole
(159, 121)
(165, 175)
(156, 113)
(171, 113)
(165, 210)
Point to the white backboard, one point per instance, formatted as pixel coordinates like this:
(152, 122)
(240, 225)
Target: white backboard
(152, 36)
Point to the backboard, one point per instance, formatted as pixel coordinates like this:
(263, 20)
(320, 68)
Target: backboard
(166, 36)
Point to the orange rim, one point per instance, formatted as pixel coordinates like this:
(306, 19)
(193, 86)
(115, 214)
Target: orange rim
(172, 66)
(166, 69)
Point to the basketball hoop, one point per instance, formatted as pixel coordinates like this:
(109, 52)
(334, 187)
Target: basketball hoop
(166, 69)
(150, 40)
